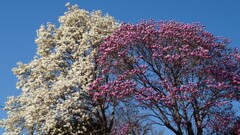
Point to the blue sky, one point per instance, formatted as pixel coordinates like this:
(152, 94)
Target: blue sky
(19, 21)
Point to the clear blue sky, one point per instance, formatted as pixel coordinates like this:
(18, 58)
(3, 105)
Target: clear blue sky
(19, 21)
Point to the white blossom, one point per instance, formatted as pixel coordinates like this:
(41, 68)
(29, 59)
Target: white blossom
(54, 83)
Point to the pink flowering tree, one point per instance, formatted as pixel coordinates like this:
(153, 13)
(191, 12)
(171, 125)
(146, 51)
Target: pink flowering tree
(184, 75)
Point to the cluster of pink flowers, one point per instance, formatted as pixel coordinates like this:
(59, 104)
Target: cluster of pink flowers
(116, 89)
(220, 122)
(123, 130)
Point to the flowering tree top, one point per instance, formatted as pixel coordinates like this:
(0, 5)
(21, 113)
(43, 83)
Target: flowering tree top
(181, 72)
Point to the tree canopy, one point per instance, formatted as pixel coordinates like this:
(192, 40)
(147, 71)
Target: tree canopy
(187, 77)
(53, 85)
(93, 75)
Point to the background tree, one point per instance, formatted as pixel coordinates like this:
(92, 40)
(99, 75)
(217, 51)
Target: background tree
(131, 119)
(53, 85)
(182, 73)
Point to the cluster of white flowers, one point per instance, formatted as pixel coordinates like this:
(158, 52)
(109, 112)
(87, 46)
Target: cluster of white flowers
(54, 83)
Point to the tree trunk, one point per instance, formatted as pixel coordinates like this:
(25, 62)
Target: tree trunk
(199, 131)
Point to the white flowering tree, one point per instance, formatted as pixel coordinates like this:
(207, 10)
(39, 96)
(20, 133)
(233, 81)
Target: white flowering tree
(53, 85)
